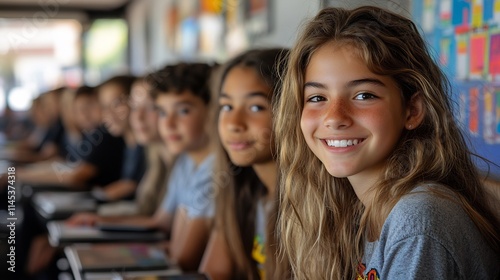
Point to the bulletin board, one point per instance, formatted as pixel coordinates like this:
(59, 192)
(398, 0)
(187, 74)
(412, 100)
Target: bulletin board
(214, 29)
(464, 36)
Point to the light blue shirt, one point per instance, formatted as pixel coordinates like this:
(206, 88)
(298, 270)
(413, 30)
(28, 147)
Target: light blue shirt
(191, 187)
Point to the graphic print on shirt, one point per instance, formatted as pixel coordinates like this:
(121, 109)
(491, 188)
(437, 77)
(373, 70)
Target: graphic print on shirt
(259, 254)
(371, 275)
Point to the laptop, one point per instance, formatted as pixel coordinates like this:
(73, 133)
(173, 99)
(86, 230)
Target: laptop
(61, 234)
(61, 205)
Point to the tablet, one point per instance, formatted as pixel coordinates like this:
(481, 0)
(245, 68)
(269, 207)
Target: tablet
(115, 257)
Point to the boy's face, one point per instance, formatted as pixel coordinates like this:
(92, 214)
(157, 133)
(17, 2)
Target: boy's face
(182, 119)
(87, 112)
(115, 110)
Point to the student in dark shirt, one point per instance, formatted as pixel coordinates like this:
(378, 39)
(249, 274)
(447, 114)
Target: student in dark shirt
(107, 159)
(114, 96)
(97, 160)
(49, 131)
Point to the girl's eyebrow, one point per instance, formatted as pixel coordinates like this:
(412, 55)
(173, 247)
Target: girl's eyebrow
(350, 84)
(373, 81)
(314, 85)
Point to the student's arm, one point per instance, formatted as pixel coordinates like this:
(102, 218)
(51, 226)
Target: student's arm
(189, 238)
(216, 261)
(132, 172)
(24, 155)
(91, 219)
(57, 173)
(163, 219)
(119, 189)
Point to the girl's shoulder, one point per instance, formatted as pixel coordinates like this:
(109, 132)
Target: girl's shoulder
(428, 208)
(431, 211)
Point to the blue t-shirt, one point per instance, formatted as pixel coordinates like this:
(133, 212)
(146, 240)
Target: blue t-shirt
(429, 237)
(134, 164)
(190, 187)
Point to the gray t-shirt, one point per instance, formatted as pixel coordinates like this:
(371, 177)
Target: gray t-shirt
(190, 187)
(429, 237)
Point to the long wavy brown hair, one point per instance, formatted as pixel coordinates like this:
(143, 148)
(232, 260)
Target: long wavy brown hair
(238, 188)
(322, 223)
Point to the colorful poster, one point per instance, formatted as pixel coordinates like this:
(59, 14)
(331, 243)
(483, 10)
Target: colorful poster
(496, 11)
(494, 54)
(488, 10)
(444, 53)
(445, 12)
(462, 113)
(489, 116)
(474, 110)
(477, 55)
(428, 16)
(461, 70)
(497, 109)
(477, 13)
(461, 11)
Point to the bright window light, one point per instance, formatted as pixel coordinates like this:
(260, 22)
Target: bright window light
(2, 99)
(20, 99)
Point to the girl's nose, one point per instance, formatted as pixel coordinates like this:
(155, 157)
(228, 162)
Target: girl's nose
(337, 114)
(235, 121)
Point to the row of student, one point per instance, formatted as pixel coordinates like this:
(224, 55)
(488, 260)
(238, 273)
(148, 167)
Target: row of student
(109, 156)
(245, 174)
(186, 136)
(367, 177)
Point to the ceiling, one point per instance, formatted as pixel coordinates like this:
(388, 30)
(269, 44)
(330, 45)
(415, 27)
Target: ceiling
(64, 4)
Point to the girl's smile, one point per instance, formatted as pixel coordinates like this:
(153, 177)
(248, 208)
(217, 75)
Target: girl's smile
(343, 143)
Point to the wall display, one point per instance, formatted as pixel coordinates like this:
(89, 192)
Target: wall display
(213, 29)
(468, 50)
(258, 19)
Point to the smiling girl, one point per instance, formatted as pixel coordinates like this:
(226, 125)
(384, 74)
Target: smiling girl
(377, 181)
(240, 245)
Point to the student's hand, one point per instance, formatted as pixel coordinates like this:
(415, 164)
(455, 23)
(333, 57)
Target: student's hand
(165, 245)
(83, 219)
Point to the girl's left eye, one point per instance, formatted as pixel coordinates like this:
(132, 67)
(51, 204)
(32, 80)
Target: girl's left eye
(225, 108)
(183, 111)
(364, 96)
(256, 108)
(315, 99)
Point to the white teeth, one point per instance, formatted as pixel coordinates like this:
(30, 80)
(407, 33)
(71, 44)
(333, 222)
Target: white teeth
(342, 143)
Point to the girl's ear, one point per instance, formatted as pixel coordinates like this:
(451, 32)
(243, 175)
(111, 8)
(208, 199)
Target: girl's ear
(415, 111)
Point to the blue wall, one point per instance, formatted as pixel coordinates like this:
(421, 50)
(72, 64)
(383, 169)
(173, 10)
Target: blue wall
(465, 41)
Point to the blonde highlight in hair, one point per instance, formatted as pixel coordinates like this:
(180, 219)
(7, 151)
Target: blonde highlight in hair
(322, 224)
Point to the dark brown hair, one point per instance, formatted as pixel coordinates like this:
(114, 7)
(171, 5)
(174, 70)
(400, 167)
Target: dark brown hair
(178, 78)
(238, 188)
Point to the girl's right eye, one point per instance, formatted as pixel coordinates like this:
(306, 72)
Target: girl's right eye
(315, 98)
(161, 113)
(225, 108)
